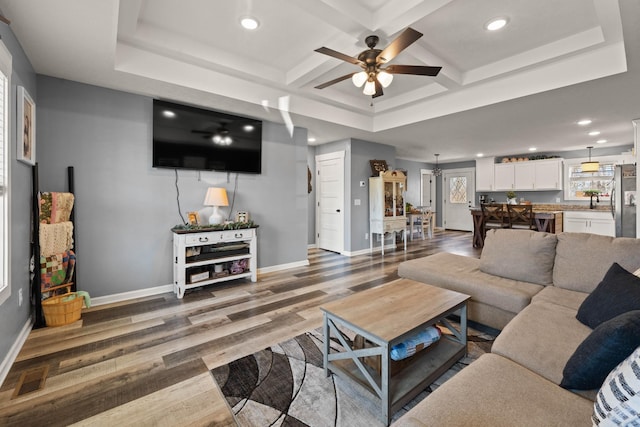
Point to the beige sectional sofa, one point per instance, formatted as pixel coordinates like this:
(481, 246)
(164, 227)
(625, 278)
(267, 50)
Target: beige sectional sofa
(530, 285)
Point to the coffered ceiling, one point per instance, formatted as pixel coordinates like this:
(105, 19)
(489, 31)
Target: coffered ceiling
(498, 92)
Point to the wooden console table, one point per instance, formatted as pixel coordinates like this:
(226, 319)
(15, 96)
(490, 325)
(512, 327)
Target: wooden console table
(547, 221)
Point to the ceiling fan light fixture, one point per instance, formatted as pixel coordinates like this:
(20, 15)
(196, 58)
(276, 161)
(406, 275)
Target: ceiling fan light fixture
(369, 88)
(360, 78)
(384, 78)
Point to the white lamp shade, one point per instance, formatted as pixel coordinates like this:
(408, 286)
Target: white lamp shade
(385, 78)
(590, 166)
(369, 88)
(358, 79)
(216, 196)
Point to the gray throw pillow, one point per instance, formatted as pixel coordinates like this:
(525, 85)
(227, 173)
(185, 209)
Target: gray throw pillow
(522, 255)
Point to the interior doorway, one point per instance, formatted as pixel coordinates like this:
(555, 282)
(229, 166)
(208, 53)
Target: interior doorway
(330, 201)
(427, 189)
(458, 195)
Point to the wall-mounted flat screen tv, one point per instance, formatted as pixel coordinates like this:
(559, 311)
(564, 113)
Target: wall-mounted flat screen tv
(186, 137)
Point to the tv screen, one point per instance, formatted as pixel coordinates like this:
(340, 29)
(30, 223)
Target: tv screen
(186, 137)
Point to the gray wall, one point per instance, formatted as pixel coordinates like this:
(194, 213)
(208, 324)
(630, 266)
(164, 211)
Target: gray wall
(125, 208)
(12, 316)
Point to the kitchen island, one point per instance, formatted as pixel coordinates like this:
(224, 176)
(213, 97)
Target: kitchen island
(545, 220)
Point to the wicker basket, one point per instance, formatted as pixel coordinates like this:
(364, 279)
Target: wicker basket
(58, 312)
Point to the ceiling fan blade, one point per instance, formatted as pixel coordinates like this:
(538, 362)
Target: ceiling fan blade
(379, 91)
(334, 81)
(336, 54)
(408, 37)
(420, 70)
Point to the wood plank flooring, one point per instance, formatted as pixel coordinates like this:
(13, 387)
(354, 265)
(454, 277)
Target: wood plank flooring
(146, 362)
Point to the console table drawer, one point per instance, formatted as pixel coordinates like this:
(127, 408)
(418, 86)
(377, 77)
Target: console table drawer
(230, 235)
(201, 238)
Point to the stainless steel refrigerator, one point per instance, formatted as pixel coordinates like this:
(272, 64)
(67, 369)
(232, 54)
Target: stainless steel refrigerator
(623, 200)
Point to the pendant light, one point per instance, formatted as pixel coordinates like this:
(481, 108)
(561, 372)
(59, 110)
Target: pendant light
(437, 171)
(590, 166)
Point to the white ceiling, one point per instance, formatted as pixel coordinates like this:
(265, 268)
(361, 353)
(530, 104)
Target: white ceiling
(498, 92)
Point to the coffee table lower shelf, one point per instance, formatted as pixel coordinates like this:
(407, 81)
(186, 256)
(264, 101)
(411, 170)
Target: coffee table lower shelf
(426, 367)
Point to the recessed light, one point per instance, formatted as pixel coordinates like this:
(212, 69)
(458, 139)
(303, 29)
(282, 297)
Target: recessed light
(584, 122)
(594, 133)
(480, 155)
(169, 114)
(533, 149)
(496, 24)
(249, 23)
(311, 139)
(601, 141)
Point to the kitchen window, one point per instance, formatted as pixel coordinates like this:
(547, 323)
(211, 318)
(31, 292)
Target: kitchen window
(577, 181)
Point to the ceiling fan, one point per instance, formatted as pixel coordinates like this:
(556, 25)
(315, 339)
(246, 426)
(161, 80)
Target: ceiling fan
(373, 76)
(221, 136)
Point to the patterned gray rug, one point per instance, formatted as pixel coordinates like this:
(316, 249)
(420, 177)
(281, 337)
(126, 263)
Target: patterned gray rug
(285, 385)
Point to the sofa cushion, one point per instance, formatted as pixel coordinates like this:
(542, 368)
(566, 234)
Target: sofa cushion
(519, 255)
(462, 274)
(494, 391)
(582, 259)
(617, 293)
(564, 297)
(608, 345)
(618, 400)
(542, 337)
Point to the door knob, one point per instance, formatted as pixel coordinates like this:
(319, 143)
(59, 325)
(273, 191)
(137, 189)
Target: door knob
(337, 210)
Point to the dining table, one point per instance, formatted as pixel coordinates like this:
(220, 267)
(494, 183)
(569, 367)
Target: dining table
(547, 221)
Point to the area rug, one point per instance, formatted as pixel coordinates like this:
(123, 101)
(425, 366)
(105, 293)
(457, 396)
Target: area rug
(285, 385)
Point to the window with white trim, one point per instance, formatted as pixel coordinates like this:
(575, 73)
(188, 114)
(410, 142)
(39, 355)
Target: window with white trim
(5, 154)
(578, 182)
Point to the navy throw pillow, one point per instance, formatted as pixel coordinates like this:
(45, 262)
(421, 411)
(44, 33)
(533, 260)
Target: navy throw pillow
(607, 346)
(617, 293)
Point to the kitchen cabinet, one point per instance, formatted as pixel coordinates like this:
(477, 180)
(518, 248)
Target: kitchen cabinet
(534, 175)
(524, 175)
(504, 176)
(594, 222)
(484, 174)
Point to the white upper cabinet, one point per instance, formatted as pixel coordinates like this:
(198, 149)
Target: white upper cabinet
(504, 176)
(534, 175)
(484, 174)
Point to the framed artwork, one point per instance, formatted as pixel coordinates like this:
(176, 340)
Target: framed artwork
(26, 127)
(378, 166)
(242, 216)
(194, 218)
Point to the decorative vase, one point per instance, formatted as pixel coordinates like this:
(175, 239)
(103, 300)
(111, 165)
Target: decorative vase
(512, 201)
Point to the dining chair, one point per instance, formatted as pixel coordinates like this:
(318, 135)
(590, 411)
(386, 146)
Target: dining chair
(521, 217)
(493, 216)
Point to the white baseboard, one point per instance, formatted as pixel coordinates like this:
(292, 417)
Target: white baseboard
(108, 299)
(280, 267)
(7, 363)
(356, 253)
(312, 246)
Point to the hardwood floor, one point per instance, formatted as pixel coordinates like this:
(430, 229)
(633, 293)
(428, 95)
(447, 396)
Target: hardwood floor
(147, 361)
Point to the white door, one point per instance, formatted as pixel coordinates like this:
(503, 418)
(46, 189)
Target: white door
(427, 189)
(458, 193)
(330, 201)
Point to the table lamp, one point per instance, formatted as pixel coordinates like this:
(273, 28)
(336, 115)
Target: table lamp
(216, 197)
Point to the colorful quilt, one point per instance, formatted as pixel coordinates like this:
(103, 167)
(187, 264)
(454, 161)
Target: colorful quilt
(55, 207)
(56, 269)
